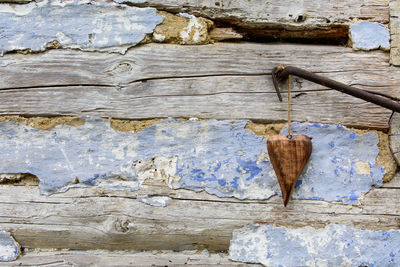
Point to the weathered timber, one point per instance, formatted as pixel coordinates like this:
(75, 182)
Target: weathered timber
(219, 81)
(395, 32)
(380, 99)
(394, 136)
(303, 19)
(98, 219)
(122, 258)
(16, 1)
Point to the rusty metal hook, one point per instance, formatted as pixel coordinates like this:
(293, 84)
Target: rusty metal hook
(281, 73)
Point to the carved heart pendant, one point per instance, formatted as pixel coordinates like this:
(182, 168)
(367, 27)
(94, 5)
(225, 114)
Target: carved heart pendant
(288, 157)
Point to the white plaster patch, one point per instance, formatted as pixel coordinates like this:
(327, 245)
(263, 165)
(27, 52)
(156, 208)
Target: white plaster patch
(195, 31)
(156, 201)
(159, 37)
(158, 168)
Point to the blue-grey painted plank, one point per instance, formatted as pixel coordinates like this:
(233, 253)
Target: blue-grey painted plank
(220, 157)
(341, 160)
(366, 35)
(9, 249)
(334, 245)
(88, 25)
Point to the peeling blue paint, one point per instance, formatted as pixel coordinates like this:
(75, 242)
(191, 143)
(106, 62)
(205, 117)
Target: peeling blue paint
(334, 245)
(331, 172)
(248, 167)
(9, 249)
(88, 25)
(219, 157)
(367, 35)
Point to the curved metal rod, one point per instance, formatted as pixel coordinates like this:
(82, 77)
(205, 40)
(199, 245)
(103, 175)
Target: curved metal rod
(281, 73)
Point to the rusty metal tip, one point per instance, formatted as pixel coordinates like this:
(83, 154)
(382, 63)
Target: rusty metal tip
(275, 81)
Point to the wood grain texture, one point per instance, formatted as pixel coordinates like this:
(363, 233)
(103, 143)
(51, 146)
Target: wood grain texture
(394, 136)
(395, 32)
(63, 258)
(16, 1)
(288, 157)
(115, 220)
(301, 19)
(221, 81)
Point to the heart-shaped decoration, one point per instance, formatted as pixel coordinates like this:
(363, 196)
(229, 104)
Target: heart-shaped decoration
(288, 157)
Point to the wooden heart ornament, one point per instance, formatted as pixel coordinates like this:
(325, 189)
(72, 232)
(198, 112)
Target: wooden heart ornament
(288, 157)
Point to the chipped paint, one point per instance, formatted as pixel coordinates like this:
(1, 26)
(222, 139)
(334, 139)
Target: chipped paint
(366, 35)
(158, 168)
(220, 157)
(334, 245)
(385, 157)
(155, 201)
(196, 30)
(9, 248)
(333, 163)
(86, 25)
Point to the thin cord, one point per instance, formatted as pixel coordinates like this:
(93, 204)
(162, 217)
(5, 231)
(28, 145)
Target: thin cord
(289, 108)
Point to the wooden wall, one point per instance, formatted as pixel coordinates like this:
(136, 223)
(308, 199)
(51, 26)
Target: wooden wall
(105, 104)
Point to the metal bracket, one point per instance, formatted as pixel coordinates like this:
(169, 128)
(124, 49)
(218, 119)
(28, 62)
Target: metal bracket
(281, 73)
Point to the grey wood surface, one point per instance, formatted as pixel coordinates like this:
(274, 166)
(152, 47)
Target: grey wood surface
(395, 32)
(302, 19)
(285, 19)
(15, 1)
(394, 136)
(54, 258)
(225, 80)
(116, 220)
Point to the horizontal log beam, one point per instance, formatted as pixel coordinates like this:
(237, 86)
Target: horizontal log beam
(115, 220)
(123, 258)
(299, 19)
(220, 81)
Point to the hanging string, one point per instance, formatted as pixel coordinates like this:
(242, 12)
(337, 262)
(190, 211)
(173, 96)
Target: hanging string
(289, 134)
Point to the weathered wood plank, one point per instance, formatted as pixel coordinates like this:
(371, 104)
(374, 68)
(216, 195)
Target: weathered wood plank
(219, 81)
(395, 32)
(97, 219)
(122, 258)
(394, 136)
(16, 1)
(303, 19)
